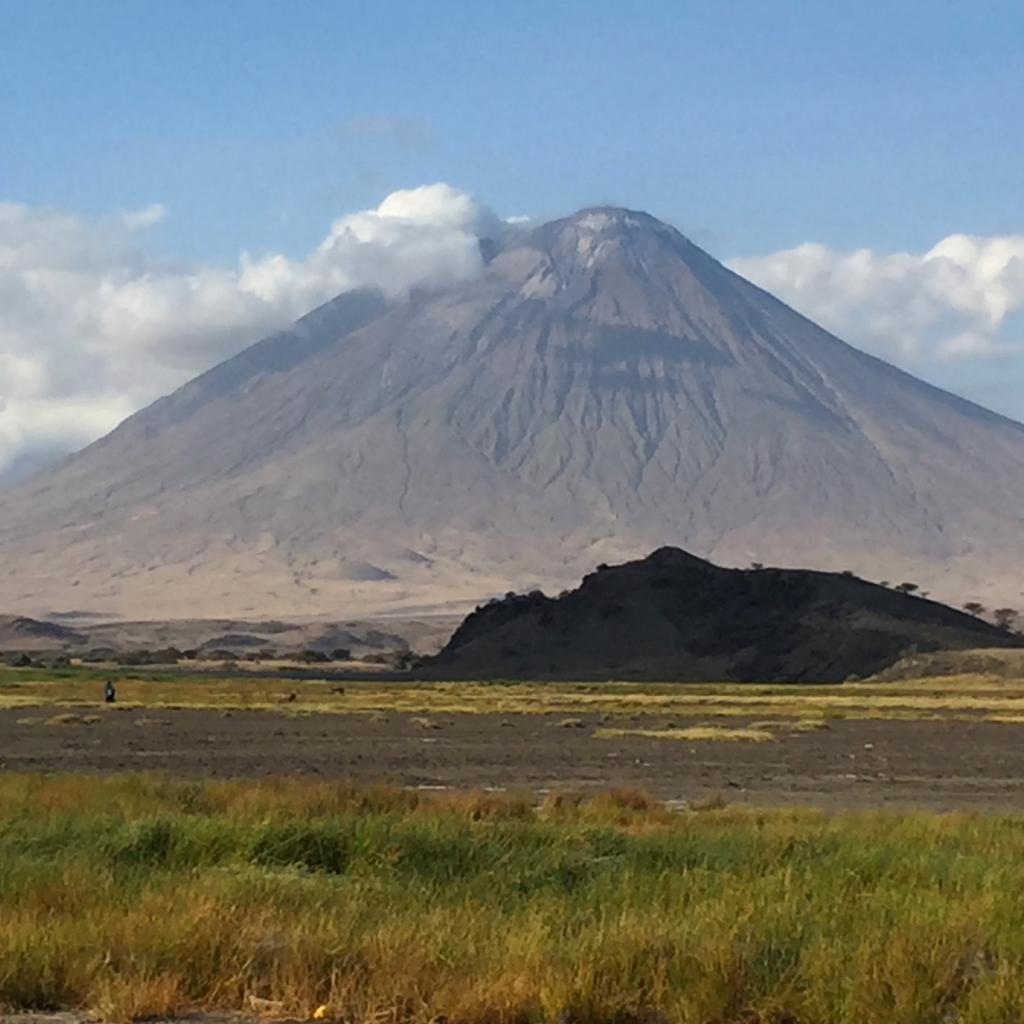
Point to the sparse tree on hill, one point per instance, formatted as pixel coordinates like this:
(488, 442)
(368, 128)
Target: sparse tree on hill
(907, 588)
(1005, 617)
(974, 608)
(405, 660)
(756, 565)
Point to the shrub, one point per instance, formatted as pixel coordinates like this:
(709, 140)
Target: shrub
(95, 654)
(144, 844)
(316, 847)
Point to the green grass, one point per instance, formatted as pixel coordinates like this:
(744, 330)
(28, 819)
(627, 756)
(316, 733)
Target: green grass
(135, 896)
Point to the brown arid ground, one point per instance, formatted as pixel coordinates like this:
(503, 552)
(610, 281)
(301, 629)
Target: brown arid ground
(938, 744)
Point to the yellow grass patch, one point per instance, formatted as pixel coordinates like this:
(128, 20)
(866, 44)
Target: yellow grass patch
(714, 733)
(69, 718)
(424, 723)
(788, 725)
(974, 697)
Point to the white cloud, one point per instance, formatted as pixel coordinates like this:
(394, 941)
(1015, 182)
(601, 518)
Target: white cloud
(144, 218)
(93, 328)
(949, 303)
(971, 345)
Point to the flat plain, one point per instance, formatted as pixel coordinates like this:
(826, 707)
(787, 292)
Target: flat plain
(941, 744)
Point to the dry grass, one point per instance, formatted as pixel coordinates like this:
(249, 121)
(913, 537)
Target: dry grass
(69, 718)
(945, 698)
(701, 733)
(424, 723)
(790, 725)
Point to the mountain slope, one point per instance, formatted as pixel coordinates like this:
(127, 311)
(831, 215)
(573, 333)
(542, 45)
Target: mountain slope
(671, 616)
(605, 387)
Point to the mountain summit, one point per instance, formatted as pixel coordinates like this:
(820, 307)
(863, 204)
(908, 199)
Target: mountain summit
(603, 388)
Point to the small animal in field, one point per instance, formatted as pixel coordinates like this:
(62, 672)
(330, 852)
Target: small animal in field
(339, 690)
(289, 698)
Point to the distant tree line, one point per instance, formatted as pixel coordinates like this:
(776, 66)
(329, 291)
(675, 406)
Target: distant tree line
(137, 657)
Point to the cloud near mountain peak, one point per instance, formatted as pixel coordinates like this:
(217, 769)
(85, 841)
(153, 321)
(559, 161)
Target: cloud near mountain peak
(94, 327)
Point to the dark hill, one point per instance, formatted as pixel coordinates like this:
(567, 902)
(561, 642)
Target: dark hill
(672, 616)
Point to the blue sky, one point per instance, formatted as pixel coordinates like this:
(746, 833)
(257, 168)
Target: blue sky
(754, 127)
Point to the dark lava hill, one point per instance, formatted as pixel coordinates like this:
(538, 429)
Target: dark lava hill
(671, 616)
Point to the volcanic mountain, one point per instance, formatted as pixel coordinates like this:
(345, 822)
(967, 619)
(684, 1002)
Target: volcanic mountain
(602, 388)
(671, 616)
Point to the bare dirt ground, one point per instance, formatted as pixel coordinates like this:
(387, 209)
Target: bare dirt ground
(934, 764)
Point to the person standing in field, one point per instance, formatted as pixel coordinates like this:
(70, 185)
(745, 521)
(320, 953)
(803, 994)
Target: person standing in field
(109, 693)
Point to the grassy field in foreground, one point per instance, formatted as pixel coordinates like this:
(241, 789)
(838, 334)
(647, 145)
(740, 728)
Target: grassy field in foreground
(134, 896)
(995, 699)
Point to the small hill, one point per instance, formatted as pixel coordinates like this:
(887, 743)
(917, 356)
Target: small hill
(18, 632)
(672, 616)
(1002, 663)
